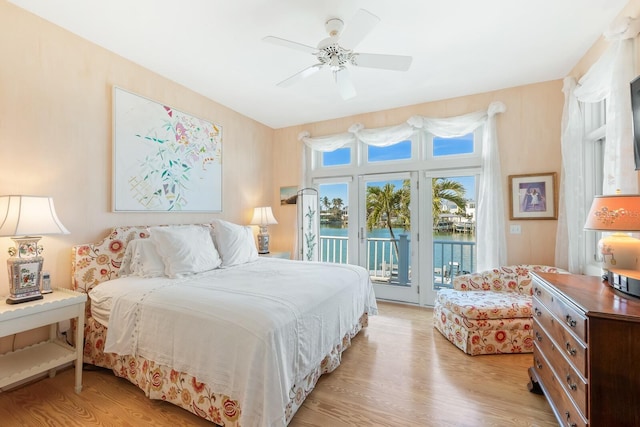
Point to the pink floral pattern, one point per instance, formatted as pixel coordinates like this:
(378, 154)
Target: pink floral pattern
(96, 263)
(489, 312)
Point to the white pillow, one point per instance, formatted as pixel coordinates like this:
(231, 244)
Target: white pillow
(141, 259)
(235, 243)
(185, 249)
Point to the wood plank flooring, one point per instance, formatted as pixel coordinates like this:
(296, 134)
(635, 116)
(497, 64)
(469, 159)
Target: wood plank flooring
(398, 372)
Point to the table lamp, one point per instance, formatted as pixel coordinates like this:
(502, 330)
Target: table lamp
(618, 213)
(25, 219)
(263, 217)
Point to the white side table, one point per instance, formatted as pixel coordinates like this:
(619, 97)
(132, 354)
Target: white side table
(283, 255)
(61, 304)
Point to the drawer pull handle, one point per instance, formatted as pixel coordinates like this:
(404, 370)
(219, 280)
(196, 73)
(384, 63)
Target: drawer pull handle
(572, 386)
(538, 312)
(568, 415)
(538, 364)
(571, 351)
(537, 292)
(538, 336)
(570, 321)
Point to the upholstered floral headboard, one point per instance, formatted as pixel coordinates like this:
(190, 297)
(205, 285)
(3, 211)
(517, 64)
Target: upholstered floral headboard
(94, 263)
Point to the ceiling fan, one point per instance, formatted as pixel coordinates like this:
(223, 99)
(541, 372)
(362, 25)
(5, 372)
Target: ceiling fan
(336, 52)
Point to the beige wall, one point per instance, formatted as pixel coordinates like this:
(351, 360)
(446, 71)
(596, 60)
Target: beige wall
(56, 126)
(528, 137)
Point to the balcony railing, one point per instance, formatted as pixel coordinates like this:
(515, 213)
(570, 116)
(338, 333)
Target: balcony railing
(450, 258)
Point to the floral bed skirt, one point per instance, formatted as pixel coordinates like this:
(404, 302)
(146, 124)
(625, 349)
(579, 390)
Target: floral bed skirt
(161, 382)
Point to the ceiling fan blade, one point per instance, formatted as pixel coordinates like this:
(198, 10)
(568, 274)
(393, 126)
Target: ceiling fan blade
(345, 85)
(288, 43)
(386, 62)
(358, 28)
(300, 75)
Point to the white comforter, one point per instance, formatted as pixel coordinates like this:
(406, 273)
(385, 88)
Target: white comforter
(249, 331)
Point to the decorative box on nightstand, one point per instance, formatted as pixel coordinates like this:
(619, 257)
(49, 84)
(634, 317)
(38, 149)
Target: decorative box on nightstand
(283, 255)
(61, 304)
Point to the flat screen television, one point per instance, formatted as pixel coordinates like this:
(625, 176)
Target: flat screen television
(635, 108)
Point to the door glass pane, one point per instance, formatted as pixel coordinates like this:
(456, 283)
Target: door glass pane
(399, 151)
(339, 157)
(388, 231)
(334, 222)
(453, 146)
(454, 228)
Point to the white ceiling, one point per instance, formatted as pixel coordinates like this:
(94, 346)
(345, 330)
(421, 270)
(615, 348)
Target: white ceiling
(459, 47)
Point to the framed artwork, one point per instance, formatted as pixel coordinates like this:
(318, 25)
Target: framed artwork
(165, 160)
(533, 196)
(288, 195)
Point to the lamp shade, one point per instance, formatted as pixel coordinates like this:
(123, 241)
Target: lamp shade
(619, 212)
(263, 216)
(29, 215)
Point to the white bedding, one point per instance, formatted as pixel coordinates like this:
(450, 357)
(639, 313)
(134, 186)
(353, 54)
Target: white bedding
(250, 331)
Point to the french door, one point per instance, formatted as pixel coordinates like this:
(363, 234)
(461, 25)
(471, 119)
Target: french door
(383, 223)
(386, 241)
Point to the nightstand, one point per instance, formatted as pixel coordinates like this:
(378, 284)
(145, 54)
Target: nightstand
(61, 304)
(283, 255)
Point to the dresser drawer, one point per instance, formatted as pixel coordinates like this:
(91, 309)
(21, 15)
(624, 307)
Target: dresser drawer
(572, 382)
(566, 312)
(568, 414)
(574, 349)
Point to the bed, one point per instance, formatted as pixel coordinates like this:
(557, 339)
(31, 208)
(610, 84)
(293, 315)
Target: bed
(191, 315)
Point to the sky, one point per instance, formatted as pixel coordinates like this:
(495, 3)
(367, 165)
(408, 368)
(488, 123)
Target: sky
(402, 150)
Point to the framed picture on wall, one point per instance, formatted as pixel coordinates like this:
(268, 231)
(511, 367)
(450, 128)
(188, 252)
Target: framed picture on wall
(288, 195)
(165, 160)
(533, 196)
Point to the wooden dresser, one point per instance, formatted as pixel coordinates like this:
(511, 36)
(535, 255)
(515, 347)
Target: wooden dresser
(586, 356)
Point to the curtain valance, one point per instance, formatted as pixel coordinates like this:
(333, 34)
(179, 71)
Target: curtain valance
(448, 127)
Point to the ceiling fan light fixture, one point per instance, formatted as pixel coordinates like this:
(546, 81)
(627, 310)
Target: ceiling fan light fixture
(334, 27)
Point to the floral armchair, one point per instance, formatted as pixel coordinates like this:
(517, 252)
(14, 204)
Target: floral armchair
(489, 312)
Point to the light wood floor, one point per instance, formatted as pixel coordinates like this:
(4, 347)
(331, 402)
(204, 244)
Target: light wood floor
(398, 372)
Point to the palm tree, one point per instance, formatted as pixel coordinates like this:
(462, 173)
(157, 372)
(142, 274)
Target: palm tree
(446, 190)
(337, 206)
(404, 214)
(383, 204)
(325, 203)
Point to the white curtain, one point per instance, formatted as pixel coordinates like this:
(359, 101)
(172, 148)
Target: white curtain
(491, 235)
(571, 211)
(608, 79)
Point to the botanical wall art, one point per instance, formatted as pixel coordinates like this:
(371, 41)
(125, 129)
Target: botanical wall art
(164, 160)
(308, 225)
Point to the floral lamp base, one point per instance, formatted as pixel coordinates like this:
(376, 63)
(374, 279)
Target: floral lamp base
(24, 279)
(263, 241)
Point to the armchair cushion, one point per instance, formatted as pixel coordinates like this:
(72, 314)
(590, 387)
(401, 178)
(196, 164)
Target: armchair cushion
(485, 305)
(516, 278)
